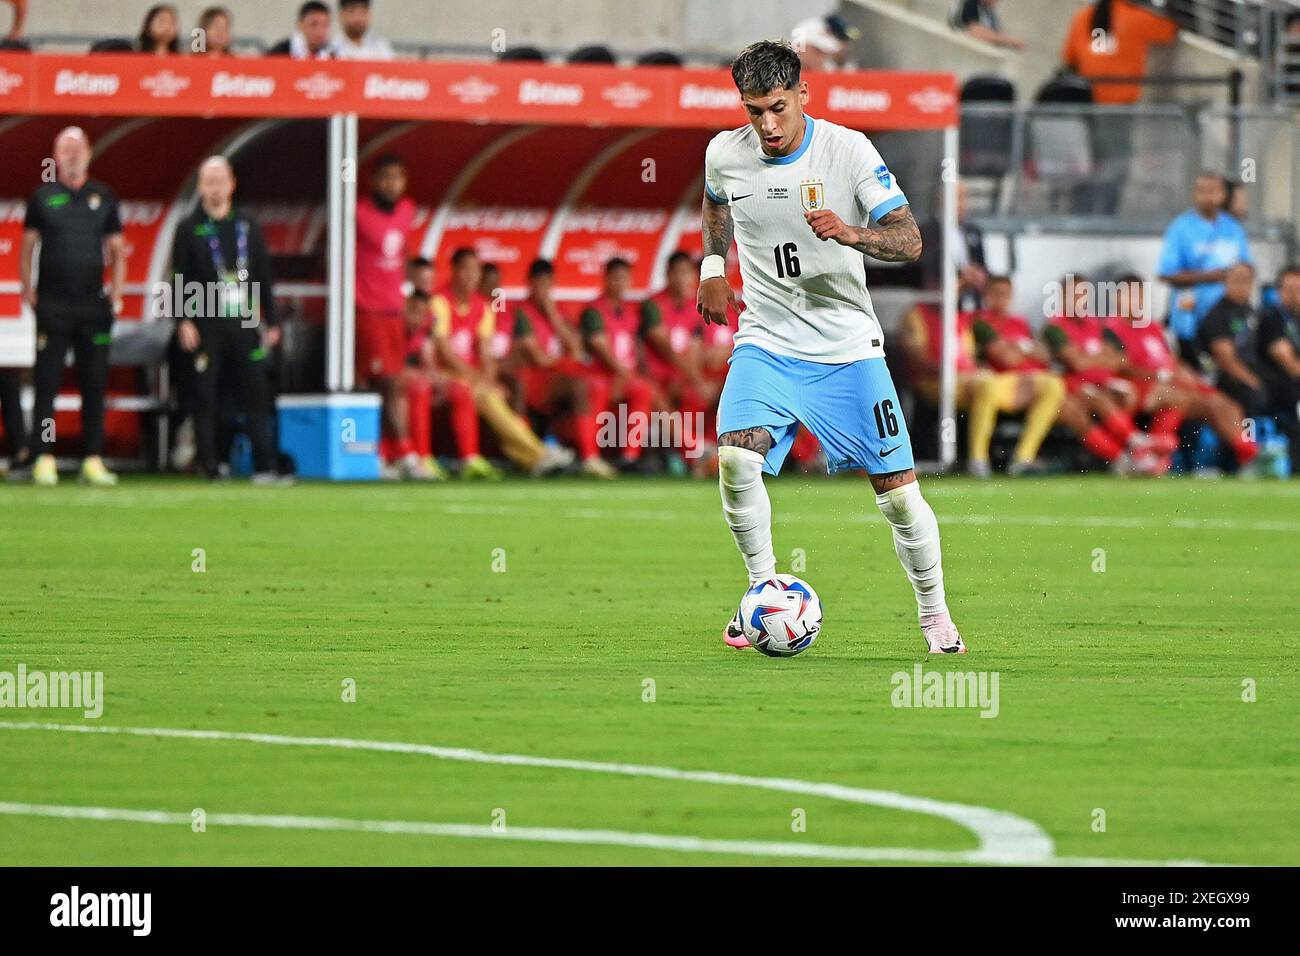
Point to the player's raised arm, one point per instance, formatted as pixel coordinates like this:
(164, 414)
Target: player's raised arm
(895, 238)
(715, 295)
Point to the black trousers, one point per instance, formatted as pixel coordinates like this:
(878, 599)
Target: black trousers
(1277, 399)
(89, 340)
(231, 355)
(12, 411)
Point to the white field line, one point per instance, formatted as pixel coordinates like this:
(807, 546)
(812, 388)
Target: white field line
(1004, 838)
(97, 498)
(640, 841)
(1045, 521)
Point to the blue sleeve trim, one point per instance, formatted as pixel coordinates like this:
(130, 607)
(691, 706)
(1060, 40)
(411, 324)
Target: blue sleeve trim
(888, 206)
(713, 197)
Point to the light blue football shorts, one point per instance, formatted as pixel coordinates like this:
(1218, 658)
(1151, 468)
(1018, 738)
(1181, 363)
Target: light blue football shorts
(851, 408)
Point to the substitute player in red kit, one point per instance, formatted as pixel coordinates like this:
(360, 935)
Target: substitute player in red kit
(671, 330)
(464, 329)
(1077, 341)
(611, 331)
(1167, 389)
(549, 364)
(384, 221)
(1007, 344)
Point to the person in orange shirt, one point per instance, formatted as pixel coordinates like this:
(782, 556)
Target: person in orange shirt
(1111, 38)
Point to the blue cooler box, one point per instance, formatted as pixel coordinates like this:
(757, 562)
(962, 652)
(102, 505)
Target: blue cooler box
(335, 437)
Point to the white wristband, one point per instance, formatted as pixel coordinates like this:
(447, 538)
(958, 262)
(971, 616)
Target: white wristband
(713, 267)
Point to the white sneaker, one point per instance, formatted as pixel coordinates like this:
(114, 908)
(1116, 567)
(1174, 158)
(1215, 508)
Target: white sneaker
(414, 468)
(597, 467)
(45, 471)
(554, 458)
(95, 472)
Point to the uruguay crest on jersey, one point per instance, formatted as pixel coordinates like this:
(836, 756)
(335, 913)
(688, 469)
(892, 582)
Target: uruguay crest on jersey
(812, 194)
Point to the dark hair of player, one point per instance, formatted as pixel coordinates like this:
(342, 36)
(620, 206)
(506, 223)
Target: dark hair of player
(681, 255)
(386, 160)
(765, 66)
(995, 279)
(461, 254)
(540, 267)
(344, 4)
(618, 262)
(418, 262)
(310, 7)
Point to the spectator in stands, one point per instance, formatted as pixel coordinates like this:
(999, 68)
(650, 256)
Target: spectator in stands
(1237, 205)
(74, 219)
(160, 33)
(311, 41)
(965, 247)
(357, 42)
(214, 32)
(230, 328)
(20, 19)
(823, 42)
(1111, 38)
(979, 19)
(1199, 247)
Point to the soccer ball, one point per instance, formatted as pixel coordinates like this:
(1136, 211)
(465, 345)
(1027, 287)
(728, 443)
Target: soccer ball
(781, 616)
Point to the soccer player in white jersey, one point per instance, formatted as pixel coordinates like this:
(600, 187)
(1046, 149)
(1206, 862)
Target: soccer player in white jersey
(809, 348)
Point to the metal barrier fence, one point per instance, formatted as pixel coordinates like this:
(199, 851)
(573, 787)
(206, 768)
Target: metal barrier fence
(1131, 164)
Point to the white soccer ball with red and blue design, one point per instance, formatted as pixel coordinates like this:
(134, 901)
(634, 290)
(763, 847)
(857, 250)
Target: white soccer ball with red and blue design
(782, 616)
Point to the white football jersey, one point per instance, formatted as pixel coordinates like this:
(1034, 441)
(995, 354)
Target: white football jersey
(804, 298)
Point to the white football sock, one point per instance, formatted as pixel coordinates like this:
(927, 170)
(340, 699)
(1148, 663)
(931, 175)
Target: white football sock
(747, 509)
(916, 542)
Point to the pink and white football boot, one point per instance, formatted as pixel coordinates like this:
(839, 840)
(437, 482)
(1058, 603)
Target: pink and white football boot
(733, 635)
(941, 635)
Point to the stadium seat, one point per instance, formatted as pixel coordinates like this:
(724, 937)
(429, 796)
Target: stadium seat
(985, 139)
(522, 54)
(113, 45)
(1059, 145)
(593, 54)
(659, 58)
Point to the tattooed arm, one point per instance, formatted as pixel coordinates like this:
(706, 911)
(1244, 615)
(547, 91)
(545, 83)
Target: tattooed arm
(715, 296)
(896, 237)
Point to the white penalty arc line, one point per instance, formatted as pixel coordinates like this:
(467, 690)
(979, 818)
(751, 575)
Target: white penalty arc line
(1004, 838)
(621, 838)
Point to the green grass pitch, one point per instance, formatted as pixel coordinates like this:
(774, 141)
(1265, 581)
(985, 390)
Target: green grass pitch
(1128, 623)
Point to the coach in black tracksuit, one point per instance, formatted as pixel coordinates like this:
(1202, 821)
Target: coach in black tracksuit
(75, 219)
(222, 270)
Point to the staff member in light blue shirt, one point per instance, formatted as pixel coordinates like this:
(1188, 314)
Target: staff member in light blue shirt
(1199, 247)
